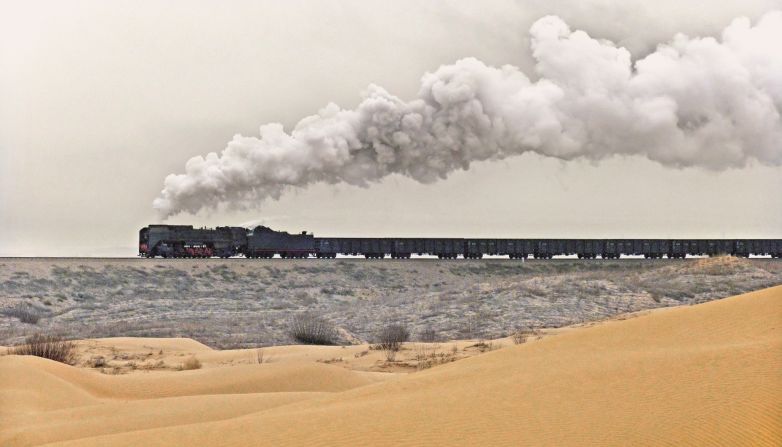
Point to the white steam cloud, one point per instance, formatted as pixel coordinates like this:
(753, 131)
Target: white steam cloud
(714, 103)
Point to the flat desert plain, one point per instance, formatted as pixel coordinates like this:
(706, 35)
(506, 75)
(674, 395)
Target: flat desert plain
(706, 374)
(246, 303)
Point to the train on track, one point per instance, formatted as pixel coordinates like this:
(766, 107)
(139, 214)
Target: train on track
(184, 241)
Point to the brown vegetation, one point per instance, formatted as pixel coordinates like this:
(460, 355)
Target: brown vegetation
(522, 335)
(50, 347)
(312, 329)
(191, 363)
(390, 338)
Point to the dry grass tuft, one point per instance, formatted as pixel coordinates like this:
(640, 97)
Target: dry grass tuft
(49, 347)
(261, 357)
(521, 336)
(311, 329)
(427, 356)
(191, 363)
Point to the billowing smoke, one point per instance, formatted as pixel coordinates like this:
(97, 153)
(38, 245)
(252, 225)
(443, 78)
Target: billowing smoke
(713, 103)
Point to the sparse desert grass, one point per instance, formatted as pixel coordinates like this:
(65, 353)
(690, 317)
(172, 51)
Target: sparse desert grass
(331, 360)
(261, 357)
(249, 303)
(50, 347)
(24, 313)
(521, 336)
(485, 346)
(429, 355)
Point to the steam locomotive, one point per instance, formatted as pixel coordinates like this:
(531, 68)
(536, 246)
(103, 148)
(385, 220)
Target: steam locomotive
(184, 241)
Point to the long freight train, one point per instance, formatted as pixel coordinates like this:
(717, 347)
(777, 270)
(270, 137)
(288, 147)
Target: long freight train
(184, 241)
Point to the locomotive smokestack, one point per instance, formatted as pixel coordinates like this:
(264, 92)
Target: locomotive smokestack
(713, 103)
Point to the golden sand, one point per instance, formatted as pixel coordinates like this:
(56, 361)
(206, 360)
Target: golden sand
(709, 374)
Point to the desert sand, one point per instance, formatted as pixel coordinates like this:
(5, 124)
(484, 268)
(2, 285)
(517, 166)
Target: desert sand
(708, 374)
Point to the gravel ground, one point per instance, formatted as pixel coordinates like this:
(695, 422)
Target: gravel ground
(245, 303)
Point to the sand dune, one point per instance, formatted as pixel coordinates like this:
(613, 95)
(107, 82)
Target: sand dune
(700, 375)
(108, 417)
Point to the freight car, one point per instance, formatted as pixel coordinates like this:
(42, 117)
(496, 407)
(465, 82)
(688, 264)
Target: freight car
(184, 241)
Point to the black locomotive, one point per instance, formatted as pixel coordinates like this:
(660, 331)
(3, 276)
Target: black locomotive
(184, 241)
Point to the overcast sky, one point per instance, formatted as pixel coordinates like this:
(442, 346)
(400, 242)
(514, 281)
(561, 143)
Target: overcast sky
(100, 101)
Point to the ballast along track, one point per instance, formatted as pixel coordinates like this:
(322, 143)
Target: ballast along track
(184, 241)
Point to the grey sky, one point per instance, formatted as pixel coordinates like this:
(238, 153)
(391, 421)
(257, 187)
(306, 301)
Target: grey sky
(99, 101)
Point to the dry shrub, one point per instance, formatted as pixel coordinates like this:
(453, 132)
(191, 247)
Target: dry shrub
(392, 336)
(50, 347)
(311, 329)
(191, 363)
(23, 313)
(522, 335)
(519, 337)
(390, 339)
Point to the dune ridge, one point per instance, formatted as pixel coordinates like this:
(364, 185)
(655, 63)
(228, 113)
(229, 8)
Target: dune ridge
(701, 375)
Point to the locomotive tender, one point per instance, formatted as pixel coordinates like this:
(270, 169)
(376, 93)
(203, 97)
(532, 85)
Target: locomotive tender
(184, 241)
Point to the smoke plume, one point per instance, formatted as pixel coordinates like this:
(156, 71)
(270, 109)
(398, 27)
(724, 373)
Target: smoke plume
(712, 103)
